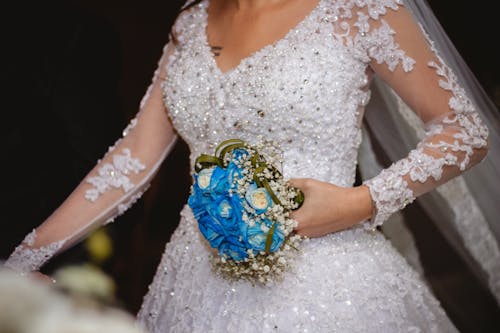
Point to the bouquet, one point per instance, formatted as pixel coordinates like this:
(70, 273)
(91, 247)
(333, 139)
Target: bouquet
(242, 205)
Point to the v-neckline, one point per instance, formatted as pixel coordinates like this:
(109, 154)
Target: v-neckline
(254, 54)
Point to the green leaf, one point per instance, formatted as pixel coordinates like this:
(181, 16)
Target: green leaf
(256, 175)
(254, 159)
(225, 143)
(230, 148)
(271, 193)
(269, 238)
(206, 161)
(299, 197)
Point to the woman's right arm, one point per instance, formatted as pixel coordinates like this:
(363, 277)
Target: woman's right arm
(111, 187)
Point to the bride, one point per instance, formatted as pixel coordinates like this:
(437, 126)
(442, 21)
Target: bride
(297, 72)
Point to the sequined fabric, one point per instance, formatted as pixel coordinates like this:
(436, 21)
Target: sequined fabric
(351, 281)
(307, 92)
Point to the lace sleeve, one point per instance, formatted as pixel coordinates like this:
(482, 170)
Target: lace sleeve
(115, 183)
(397, 50)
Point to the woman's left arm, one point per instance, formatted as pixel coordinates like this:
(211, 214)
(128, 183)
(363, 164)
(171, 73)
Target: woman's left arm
(456, 139)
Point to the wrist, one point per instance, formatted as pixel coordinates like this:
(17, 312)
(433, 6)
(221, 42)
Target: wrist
(362, 203)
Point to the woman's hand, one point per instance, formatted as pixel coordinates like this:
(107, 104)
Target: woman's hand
(329, 208)
(33, 275)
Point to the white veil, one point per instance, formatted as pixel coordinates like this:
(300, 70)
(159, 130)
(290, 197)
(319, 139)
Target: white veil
(466, 209)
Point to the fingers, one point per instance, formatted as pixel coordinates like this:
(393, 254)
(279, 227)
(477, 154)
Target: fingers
(304, 228)
(298, 216)
(295, 215)
(310, 233)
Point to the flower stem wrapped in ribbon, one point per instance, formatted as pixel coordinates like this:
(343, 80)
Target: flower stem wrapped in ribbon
(242, 205)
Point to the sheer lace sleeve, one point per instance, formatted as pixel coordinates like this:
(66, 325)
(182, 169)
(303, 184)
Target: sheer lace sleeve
(115, 183)
(384, 35)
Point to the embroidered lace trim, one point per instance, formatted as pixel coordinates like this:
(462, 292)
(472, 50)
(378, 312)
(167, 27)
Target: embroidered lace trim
(464, 132)
(114, 175)
(369, 42)
(26, 259)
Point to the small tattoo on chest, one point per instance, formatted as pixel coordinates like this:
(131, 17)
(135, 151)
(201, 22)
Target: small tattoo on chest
(216, 50)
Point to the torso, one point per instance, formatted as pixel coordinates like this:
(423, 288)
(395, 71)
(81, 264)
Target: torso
(306, 91)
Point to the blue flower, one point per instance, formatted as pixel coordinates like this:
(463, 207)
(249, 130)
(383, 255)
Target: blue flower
(219, 183)
(224, 230)
(233, 248)
(219, 217)
(256, 236)
(233, 170)
(258, 198)
(212, 232)
(208, 185)
(226, 212)
(219, 211)
(199, 198)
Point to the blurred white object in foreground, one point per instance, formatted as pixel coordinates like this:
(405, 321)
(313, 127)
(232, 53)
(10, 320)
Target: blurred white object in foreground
(30, 306)
(86, 281)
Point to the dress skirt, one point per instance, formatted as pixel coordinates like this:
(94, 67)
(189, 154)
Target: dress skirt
(349, 281)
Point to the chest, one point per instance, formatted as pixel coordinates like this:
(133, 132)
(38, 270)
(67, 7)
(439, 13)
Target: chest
(236, 33)
(303, 85)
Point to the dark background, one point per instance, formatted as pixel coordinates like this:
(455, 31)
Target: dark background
(97, 58)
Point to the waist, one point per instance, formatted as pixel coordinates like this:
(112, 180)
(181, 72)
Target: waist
(349, 240)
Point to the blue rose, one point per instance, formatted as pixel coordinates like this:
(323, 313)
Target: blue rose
(220, 222)
(208, 185)
(258, 198)
(219, 183)
(256, 236)
(211, 231)
(233, 170)
(233, 173)
(226, 212)
(211, 182)
(198, 199)
(233, 248)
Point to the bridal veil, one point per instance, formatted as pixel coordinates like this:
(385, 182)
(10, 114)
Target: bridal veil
(466, 209)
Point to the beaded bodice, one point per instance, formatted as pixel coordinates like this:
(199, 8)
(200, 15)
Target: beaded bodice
(306, 96)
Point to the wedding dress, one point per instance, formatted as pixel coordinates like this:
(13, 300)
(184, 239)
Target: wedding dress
(307, 91)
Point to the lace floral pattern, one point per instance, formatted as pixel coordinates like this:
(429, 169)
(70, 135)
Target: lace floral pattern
(390, 193)
(26, 258)
(380, 45)
(114, 175)
(450, 141)
(368, 42)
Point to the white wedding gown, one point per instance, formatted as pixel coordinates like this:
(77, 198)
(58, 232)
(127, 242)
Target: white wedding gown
(306, 91)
